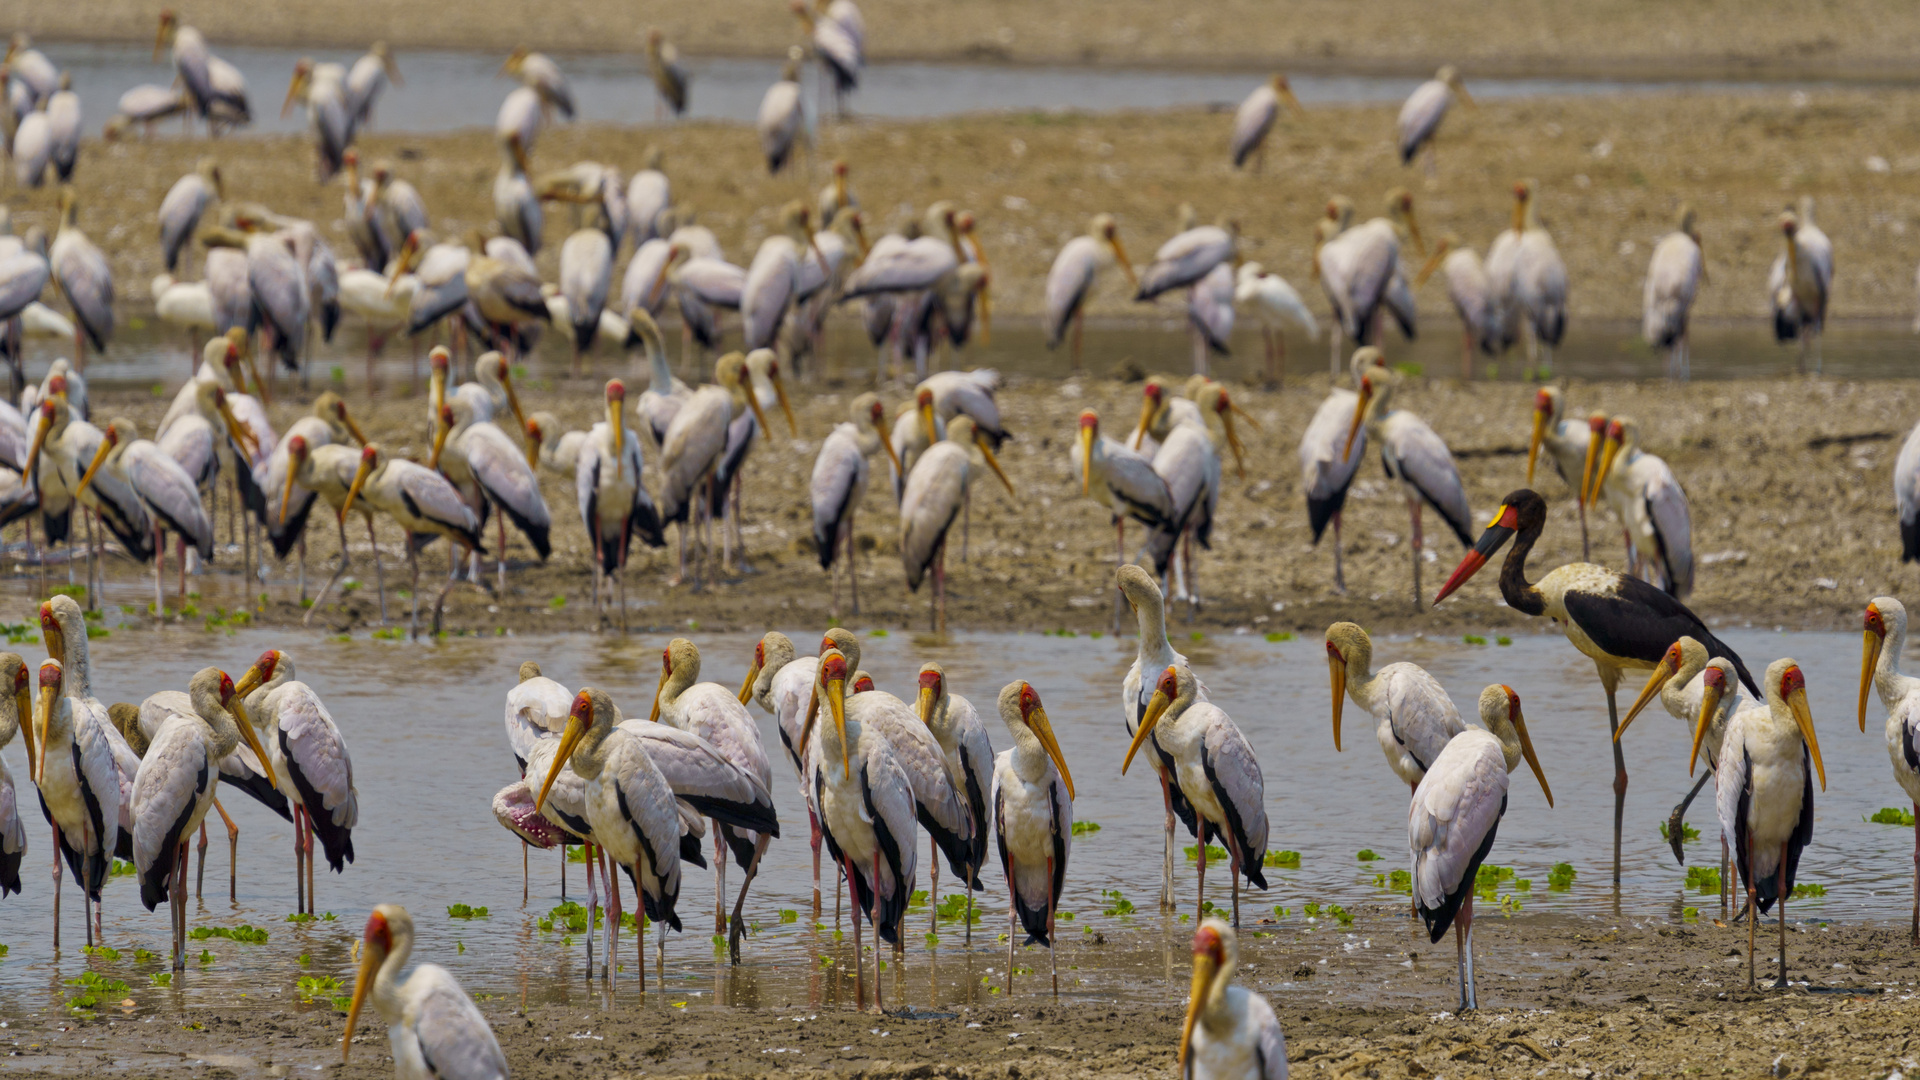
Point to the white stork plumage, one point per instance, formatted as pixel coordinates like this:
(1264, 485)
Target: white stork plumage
(670, 79)
(16, 718)
(32, 148)
(492, 472)
(1231, 1033)
(1277, 305)
(644, 285)
(56, 459)
(935, 492)
(660, 402)
(781, 117)
(716, 714)
(1764, 787)
(367, 79)
(783, 683)
(1617, 621)
(1154, 654)
(586, 275)
(308, 761)
(1456, 812)
(538, 72)
(1539, 282)
(79, 785)
(631, 809)
(1800, 281)
(1217, 772)
(63, 128)
(166, 492)
(1032, 807)
(1254, 119)
(649, 200)
(1412, 453)
(839, 485)
(81, 272)
(1653, 507)
(421, 501)
(1129, 487)
(772, 284)
(1471, 292)
(145, 105)
(1413, 717)
(866, 808)
(694, 444)
(219, 95)
(1420, 117)
(1075, 271)
(1358, 267)
(515, 205)
(175, 786)
(394, 208)
(433, 1028)
(282, 296)
(614, 504)
(1885, 639)
(963, 739)
(555, 446)
(322, 89)
(31, 67)
(1675, 272)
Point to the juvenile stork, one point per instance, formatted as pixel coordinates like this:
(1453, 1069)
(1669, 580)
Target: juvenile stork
(1074, 274)
(1032, 801)
(1471, 292)
(1412, 453)
(1800, 282)
(433, 1027)
(1231, 1033)
(174, 788)
(1765, 788)
(1129, 487)
(1254, 119)
(1217, 771)
(1414, 718)
(839, 484)
(422, 502)
(1574, 448)
(1619, 621)
(1456, 812)
(1675, 272)
(1654, 508)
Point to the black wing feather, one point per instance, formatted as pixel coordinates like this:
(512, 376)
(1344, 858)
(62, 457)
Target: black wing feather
(1640, 622)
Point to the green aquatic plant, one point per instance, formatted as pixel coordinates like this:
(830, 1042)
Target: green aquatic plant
(1688, 834)
(955, 908)
(1560, 878)
(101, 952)
(246, 935)
(1215, 852)
(1280, 635)
(463, 911)
(1705, 879)
(1366, 855)
(1113, 903)
(1085, 828)
(1891, 815)
(1288, 859)
(1473, 639)
(1806, 889)
(313, 986)
(1400, 881)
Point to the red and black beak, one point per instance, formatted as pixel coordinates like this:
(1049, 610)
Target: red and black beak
(1499, 531)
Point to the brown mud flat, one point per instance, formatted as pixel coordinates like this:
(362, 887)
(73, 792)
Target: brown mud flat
(1849, 39)
(1611, 172)
(1789, 480)
(1560, 996)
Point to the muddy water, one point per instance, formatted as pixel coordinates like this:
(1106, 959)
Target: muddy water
(449, 90)
(424, 725)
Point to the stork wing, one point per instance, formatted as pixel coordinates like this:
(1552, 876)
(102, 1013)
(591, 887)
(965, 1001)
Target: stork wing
(315, 751)
(1419, 456)
(839, 478)
(704, 779)
(453, 1038)
(1455, 809)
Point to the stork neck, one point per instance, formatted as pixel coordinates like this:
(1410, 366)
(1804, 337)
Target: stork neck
(657, 361)
(1150, 612)
(1519, 593)
(257, 700)
(1216, 1016)
(1887, 677)
(10, 719)
(1030, 759)
(220, 722)
(683, 677)
(590, 757)
(75, 667)
(1674, 694)
(779, 654)
(386, 982)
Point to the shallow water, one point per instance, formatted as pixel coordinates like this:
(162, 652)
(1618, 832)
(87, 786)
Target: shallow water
(144, 353)
(424, 725)
(450, 90)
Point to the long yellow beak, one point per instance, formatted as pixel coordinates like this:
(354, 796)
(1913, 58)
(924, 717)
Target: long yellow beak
(654, 716)
(1587, 480)
(1526, 751)
(780, 392)
(1359, 417)
(927, 425)
(1155, 709)
(33, 452)
(986, 451)
(1709, 705)
(576, 730)
(1661, 673)
(986, 307)
(1803, 718)
(923, 706)
(1043, 730)
(1433, 263)
(286, 490)
(1126, 264)
(1534, 441)
(1337, 678)
(440, 430)
(293, 95)
(1607, 457)
(370, 961)
(1204, 971)
(23, 705)
(402, 263)
(1234, 444)
(99, 457)
(886, 443)
(837, 704)
(1413, 230)
(47, 694)
(617, 420)
(753, 402)
(1869, 663)
(353, 490)
(746, 688)
(266, 392)
(240, 434)
(252, 739)
(513, 399)
(1148, 410)
(1086, 461)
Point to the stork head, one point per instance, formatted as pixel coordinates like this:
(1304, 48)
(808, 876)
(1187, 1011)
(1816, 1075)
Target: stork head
(933, 688)
(389, 933)
(1522, 510)
(1215, 955)
(1886, 617)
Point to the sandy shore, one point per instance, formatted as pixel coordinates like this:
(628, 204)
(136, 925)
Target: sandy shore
(1792, 516)
(1559, 997)
(1851, 39)
(1612, 173)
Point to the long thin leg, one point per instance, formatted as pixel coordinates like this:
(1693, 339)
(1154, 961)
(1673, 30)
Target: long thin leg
(1200, 897)
(1053, 939)
(379, 576)
(1726, 883)
(313, 906)
(813, 824)
(1413, 506)
(720, 856)
(1780, 914)
(56, 888)
(1013, 928)
(1753, 917)
(859, 962)
(933, 893)
(1463, 939)
(1166, 851)
(525, 881)
(200, 874)
(1916, 874)
(1339, 572)
(1233, 876)
(878, 1004)
(233, 853)
(299, 865)
(737, 927)
(1619, 782)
